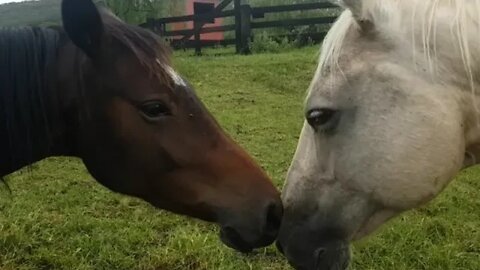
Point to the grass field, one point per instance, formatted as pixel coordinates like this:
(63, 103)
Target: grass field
(57, 217)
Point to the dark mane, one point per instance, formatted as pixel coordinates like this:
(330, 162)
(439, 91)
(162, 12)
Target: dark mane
(28, 58)
(27, 62)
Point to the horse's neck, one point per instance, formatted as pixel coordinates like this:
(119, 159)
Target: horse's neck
(32, 120)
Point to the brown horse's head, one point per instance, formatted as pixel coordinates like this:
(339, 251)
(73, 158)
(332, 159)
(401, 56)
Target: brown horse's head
(143, 132)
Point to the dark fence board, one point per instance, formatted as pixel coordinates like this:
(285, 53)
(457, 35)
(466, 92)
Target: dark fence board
(204, 30)
(190, 44)
(259, 12)
(293, 22)
(203, 17)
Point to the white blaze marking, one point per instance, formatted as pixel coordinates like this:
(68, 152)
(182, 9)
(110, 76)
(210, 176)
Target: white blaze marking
(176, 78)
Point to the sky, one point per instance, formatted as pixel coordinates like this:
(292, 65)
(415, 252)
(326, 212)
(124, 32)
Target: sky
(9, 1)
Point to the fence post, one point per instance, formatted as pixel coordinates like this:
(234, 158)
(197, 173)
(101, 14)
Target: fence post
(246, 28)
(150, 24)
(161, 29)
(197, 27)
(238, 25)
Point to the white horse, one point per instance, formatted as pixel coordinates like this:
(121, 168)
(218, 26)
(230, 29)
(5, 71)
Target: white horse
(392, 115)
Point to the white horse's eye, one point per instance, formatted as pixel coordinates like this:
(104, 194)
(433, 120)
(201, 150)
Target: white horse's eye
(321, 118)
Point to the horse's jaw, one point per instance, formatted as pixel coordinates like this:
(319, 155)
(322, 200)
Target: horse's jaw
(472, 130)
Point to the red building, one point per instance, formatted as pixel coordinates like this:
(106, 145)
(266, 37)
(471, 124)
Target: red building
(190, 8)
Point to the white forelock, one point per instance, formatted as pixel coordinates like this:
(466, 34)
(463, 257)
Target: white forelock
(441, 36)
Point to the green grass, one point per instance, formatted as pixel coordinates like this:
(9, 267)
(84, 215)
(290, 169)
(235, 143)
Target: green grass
(57, 217)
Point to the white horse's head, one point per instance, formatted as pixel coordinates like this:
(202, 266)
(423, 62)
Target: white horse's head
(391, 117)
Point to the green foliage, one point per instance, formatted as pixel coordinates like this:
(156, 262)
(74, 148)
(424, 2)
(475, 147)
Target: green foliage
(57, 217)
(264, 43)
(137, 11)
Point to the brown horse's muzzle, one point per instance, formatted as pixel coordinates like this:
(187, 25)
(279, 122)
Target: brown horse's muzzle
(256, 228)
(253, 208)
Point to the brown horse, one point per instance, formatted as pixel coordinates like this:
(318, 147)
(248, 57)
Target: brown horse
(104, 91)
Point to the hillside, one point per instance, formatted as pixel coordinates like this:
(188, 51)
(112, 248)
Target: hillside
(30, 13)
(44, 12)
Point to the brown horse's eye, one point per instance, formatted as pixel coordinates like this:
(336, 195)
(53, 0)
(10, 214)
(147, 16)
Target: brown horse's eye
(154, 110)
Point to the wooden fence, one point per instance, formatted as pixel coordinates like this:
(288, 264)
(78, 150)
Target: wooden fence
(246, 18)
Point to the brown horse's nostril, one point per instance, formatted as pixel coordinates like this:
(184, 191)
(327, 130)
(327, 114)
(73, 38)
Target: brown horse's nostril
(273, 218)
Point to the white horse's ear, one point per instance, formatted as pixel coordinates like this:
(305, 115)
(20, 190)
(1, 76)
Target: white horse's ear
(355, 6)
(357, 9)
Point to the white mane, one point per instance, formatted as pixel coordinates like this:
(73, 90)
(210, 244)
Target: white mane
(441, 37)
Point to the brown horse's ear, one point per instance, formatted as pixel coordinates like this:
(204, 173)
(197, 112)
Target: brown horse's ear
(83, 25)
